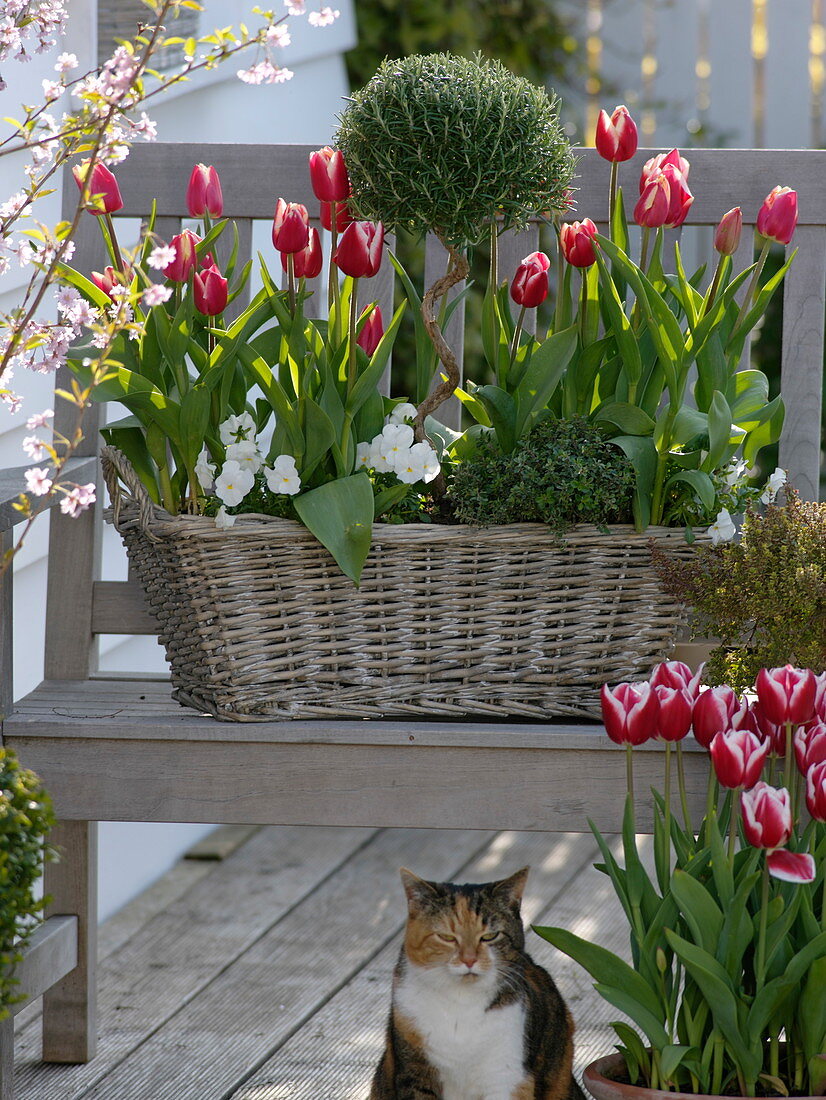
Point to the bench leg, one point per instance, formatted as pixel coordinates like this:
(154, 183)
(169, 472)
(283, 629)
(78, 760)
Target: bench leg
(70, 1006)
(7, 1058)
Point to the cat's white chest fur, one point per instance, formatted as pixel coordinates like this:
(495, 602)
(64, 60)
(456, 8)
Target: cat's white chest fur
(478, 1053)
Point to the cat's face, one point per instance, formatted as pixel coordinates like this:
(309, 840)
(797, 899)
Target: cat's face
(466, 931)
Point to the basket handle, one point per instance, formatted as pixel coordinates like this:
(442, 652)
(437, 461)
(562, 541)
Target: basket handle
(116, 469)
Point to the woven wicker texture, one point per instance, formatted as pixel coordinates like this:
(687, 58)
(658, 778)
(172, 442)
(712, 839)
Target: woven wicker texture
(504, 622)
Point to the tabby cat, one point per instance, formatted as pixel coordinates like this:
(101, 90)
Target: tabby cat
(473, 1017)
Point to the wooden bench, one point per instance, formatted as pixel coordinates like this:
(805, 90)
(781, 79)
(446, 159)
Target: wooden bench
(117, 748)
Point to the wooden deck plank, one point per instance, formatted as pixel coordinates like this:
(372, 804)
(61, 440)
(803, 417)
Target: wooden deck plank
(336, 1054)
(180, 949)
(232, 1026)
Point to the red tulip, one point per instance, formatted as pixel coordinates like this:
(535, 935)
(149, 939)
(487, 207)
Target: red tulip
(576, 239)
(530, 283)
(371, 332)
(787, 694)
(738, 757)
(290, 227)
(203, 195)
(820, 696)
(677, 674)
(654, 203)
(654, 166)
(713, 712)
(674, 716)
(629, 713)
(769, 731)
(810, 746)
(816, 791)
(767, 816)
(778, 215)
(359, 250)
(107, 279)
(328, 175)
(727, 234)
(343, 215)
(789, 866)
(104, 193)
(185, 257)
(209, 289)
(308, 263)
(616, 137)
(680, 198)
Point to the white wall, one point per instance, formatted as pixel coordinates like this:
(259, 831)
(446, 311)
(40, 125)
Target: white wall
(212, 107)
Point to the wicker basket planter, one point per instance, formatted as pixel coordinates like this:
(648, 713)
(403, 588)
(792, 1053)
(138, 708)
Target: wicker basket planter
(453, 622)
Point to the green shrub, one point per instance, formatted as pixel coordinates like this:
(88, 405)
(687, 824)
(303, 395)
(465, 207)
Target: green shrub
(25, 819)
(563, 472)
(764, 597)
(444, 143)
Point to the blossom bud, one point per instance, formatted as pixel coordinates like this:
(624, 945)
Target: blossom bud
(209, 289)
(359, 249)
(777, 217)
(107, 279)
(787, 694)
(290, 227)
(767, 816)
(371, 332)
(185, 257)
(713, 712)
(810, 746)
(576, 239)
(816, 791)
(328, 175)
(654, 203)
(629, 713)
(104, 193)
(616, 136)
(307, 264)
(677, 674)
(738, 757)
(203, 195)
(727, 234)
(674, 716)
(530, 283)
(343, 215)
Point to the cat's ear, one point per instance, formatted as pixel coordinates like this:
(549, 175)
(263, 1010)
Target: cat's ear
(417, 889)
(514, 887)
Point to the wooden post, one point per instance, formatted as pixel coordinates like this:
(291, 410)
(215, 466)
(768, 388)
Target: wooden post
(70, 1006)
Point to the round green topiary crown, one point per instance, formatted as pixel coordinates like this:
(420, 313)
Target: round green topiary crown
(445, 143)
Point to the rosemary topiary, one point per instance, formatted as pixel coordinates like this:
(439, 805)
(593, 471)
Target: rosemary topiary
(562, 472)
(764, 596)
(445, 143)
(25, 819)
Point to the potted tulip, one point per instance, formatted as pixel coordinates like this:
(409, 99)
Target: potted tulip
(727, 993)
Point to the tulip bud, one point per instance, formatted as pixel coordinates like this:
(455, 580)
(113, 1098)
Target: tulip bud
(530, 283)
(307, 264)
(328, 175)
(767, 816)
(209, 289)
(674, 716)
(107, 280)
(576, 239)
(816, 791)
(810, 746)
(185, 257)
(359, 250)
(104, 193)
(343, 215)
(656, 165)
(770, 731)
(778, 215)
(677, 674)
(713, 713)
(616, 136)
(654, 203)
(727, 235)
(629, 713)
(787, 694)
(290, 227)
(738, 757)
(680, 198)
(203, 195)
(371, 332)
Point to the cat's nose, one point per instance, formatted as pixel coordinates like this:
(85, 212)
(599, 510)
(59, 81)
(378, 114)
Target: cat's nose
(468, 960)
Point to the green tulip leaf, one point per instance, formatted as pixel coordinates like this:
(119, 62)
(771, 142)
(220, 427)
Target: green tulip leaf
(547, 365)
(643, 455)
(194, 419)
(630, 419)
(501, 408)
(340, 515)
(719, 430)
(767, 432)
(701, 912)
(812, 1011)
(700, 482)
(319, 436)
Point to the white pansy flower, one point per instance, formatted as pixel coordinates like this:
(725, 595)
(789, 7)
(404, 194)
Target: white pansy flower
(236, 428)
(735, 472)
(233, 483)
(223, 519)
(409, 468)
(402, 412)
(364, 454)
(425, 454)
(205, 470)
(246, 454)
(723, 529)
(394, 442)
(283, 477)
(773, 486)
(376, 459)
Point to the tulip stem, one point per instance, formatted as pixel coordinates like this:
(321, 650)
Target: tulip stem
(629, 774)
(732, 825)
(683, 796)
(668, 798)
(761, 936)
(113, 240)
(494, 257)
(354, 314)
(333, 288)
(755, 279)
(291, 280)
(711, 798)
(646, 233)
(787, 769)
(715, 285)
(612, 194)
(517, 332)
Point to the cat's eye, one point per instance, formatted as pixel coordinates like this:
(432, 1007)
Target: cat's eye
(446, 937)
(489, 936)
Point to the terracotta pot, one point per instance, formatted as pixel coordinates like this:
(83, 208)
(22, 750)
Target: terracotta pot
(600, 1079)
